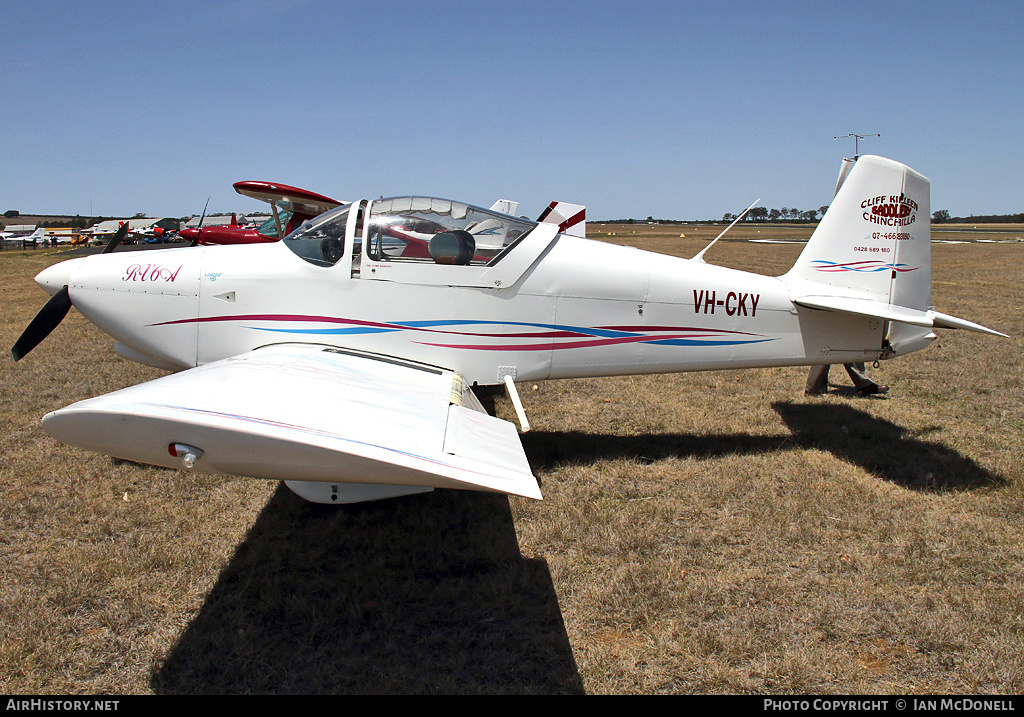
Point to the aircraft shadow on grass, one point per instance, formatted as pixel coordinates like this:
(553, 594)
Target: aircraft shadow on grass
(429, 595)
(882, 448)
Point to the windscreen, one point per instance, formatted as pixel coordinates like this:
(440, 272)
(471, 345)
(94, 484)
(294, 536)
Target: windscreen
(269, 227)
(321, 240)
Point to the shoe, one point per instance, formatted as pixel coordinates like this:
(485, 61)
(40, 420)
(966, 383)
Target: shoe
(872, 390)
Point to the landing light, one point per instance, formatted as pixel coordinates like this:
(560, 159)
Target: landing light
(188, 454)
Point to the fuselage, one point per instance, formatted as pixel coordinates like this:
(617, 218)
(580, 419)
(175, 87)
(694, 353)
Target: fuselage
(563, 307)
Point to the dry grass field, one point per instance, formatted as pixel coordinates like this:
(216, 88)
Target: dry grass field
(700, 533)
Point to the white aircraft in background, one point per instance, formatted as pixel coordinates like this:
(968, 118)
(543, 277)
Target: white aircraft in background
(38, 236)
(106, 230)
(348, 371)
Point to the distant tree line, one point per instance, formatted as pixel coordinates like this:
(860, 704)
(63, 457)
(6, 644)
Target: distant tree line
(75, 222)
(794, 215)
(942, 217)
(786, 214)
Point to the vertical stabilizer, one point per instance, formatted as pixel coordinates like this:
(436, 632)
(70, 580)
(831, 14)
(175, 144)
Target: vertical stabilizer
(570, 218)
(505, 206)
(871, 255)
(874, 242)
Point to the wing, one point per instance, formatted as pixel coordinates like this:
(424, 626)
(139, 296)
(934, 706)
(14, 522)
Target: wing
(301, 412)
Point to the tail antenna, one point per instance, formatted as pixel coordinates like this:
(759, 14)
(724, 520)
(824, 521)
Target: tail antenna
(856, 142)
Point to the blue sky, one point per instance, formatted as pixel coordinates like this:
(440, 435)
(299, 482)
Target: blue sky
(645, 108)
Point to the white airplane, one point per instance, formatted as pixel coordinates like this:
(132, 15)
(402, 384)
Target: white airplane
(103, 232)
(39, 235)
(348, 372)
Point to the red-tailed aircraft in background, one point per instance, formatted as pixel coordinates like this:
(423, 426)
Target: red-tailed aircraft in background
(290, 207)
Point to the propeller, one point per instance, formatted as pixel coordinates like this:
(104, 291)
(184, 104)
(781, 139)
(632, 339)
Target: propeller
(118, 237)
(201, 220)
(52, 313)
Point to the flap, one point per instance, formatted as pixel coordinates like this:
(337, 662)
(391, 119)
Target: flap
(307, 413)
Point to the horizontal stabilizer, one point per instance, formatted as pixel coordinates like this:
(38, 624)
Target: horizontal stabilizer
(887, 312)
(945, 321)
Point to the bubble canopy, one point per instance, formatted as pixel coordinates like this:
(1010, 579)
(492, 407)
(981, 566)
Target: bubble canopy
(426, 229)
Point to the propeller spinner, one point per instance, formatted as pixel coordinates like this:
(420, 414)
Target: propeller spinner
(54, 311)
